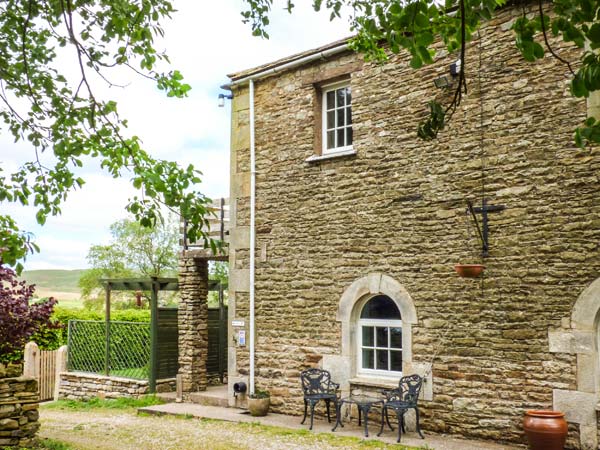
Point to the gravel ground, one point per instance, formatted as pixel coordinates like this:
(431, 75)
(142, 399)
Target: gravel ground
(103, 429)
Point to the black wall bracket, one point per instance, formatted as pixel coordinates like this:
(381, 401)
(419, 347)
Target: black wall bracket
(484, 230)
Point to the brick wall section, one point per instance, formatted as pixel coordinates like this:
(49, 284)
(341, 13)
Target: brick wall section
(193, 322)
(82, 386)
(19, 402)
(328, 224)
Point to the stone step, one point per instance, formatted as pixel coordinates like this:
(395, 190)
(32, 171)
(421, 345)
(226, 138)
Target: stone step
(213, 396)
(167, 397)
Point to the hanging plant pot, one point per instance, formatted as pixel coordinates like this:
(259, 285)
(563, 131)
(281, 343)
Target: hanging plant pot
(545, 430)
(469, 270)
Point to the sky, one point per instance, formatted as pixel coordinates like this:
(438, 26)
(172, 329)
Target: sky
(205, 41)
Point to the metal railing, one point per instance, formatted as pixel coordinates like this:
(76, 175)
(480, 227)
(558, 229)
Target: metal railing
(120, 349)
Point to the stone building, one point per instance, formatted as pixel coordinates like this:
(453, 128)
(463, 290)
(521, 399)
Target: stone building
(352, 217)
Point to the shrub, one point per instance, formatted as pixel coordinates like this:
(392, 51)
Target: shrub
(19, 317)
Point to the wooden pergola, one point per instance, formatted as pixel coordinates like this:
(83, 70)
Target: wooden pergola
(154, 285)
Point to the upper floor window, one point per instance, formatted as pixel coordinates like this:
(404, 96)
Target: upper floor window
(337, 117)
(380, 337)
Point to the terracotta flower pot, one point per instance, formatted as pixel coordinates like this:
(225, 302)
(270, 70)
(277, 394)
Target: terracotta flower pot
(545, 430)
(469, 270)
(258, 407)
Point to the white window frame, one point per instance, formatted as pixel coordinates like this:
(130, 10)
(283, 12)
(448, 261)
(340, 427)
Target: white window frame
(325, 89)
(381, 323)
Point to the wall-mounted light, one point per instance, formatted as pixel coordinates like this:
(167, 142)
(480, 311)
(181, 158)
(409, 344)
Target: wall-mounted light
(222, 98)
(444, 82)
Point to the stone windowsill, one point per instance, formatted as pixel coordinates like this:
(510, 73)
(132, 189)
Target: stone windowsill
(319, 158)
(383, 383)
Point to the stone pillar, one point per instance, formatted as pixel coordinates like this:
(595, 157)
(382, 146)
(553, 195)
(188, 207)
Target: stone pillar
(193, 323)
(31, 363)
(61, 366)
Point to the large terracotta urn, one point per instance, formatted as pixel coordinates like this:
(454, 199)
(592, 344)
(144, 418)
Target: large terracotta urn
(545, 430)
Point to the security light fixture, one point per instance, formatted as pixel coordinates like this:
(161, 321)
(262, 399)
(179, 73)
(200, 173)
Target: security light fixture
(444, 82)
(222, 98)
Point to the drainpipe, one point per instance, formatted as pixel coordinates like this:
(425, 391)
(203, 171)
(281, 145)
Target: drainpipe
(250, 80)
(252, 234)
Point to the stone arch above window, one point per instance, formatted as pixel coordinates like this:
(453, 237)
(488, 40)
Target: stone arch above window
(351, 305)
(376, 283)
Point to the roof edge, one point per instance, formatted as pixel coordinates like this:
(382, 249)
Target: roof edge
(289, 59)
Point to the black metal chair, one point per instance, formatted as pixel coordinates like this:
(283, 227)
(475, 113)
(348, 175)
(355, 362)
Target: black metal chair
(317, 386)
(401, 400)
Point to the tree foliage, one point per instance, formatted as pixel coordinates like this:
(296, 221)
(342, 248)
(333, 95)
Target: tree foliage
(19, 318)
(413, 26)
(63, 119)
(134, 251)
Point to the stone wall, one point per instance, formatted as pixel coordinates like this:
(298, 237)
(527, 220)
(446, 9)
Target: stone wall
(19, 414)
(85, 386)
(398, 208)
(193, 321)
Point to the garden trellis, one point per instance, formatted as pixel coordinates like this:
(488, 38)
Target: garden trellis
(128, 349)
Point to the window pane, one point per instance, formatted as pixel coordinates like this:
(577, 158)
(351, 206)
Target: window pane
(396, 337)
(340, 137)
(349, 136)
(330, 119)
(330, 139)
(368, 359)
(340, 118)
(396, 361)
(330, 100)
(349, 116)
(382, 337)
(367, 337)
(382, 360)
(380, 307)
(348, 96)
(340, 96)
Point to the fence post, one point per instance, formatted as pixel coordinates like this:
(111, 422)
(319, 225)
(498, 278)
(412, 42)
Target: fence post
(31, 367)
(153, 337)
(61, 366)
(107, 321)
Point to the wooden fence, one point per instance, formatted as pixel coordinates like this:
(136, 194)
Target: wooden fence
(45, 365)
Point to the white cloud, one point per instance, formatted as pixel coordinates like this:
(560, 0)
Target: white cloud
(206, 41)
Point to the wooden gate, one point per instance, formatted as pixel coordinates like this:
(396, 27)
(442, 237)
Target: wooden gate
(47, 379)
(44, 366)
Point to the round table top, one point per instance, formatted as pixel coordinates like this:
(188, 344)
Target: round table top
(361, 399)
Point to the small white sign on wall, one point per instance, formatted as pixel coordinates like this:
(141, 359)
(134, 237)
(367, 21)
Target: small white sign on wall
(237, 323)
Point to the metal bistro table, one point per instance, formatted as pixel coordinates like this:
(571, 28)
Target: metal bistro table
(364, 404)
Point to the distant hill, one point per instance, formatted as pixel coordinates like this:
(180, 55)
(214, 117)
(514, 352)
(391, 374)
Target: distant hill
(62, 284)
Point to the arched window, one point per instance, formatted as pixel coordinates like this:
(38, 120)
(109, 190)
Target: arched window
(380, 337)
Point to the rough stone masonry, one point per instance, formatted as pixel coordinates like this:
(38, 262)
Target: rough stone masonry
(19, 402)
(391, 219)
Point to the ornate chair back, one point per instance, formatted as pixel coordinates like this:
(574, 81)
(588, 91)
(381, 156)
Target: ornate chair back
(316, 381)
(409, 388)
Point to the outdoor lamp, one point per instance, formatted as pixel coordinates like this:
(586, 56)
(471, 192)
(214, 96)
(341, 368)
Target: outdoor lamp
(222, 98)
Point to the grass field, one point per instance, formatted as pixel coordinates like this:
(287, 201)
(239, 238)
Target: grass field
(60, 284)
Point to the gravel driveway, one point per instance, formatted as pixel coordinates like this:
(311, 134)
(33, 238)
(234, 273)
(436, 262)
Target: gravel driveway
(103, 429)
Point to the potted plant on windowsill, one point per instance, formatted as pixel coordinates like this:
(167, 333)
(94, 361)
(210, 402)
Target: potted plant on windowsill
(258, 403)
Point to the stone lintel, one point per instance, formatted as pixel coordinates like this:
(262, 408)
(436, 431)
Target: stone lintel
(240, 185)
(579, 407)
(586, 373)
(239, 280)
(340, 368)
(239, 238)
(572, 342)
